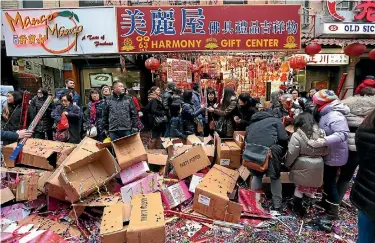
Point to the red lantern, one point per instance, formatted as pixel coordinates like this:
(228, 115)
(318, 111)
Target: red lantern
(152, 64)
(355, 50)
(371, 54)
(297, 62)
(313, 49)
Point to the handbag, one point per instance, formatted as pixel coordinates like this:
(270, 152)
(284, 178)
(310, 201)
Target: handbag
(221, 126)
(62, 136)
(256, 157)
(158, 120)
(63, 124)
(92, 132)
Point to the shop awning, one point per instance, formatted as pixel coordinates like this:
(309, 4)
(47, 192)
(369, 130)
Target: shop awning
(340, 42)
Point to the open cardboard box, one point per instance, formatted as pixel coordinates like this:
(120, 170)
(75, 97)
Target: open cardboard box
(146, 219)
(228, 153)
(239, 139)
(177, 149)
(89, 174)
(190, 162)
(38, 153)
(211, 195)
(112, 229)
(54, 184)
(193, 140)
(129, 150)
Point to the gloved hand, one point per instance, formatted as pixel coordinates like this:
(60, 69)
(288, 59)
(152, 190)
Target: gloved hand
(140, 114)
(320, 142)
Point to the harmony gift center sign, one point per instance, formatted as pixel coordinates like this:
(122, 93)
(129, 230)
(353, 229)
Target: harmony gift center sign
(208, 28)
(43, 32)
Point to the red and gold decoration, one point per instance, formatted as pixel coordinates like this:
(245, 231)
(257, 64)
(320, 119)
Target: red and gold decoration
(355, 50)
(152, 64)
(297, 62)
(313, 49)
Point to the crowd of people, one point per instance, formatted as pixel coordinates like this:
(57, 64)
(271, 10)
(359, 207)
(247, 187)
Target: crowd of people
(328, 140)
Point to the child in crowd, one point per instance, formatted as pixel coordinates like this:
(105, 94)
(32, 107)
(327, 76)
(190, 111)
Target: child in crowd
(305, 162)
(177, 127)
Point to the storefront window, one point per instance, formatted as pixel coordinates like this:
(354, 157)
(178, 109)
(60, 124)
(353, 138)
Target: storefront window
(90, 3)
(139, 2)
(32, 4)
(235, 2)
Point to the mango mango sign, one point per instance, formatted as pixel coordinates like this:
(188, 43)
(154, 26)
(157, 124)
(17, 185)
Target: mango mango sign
(59, 31)
(208, 28)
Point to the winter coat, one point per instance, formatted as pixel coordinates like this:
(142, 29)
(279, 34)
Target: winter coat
(228, 114)
(177, 128)
(76, 97)
(14, 118)
(176, 99)
(197, 99)
(334, 124)
(4, 90)
(245, 114)
(119, 114)
(45, 124)
(167, 99)
(189, 115)
(8, 137)
(266, 130)
(305, 161)
(360, 107)
(74, 118)
(99, 116)
(362, 193)
(280, 112)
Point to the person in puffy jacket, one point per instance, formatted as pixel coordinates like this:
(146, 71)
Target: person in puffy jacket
(189, 114)
(120, 116)
(305, 162)
(177, 125)
(44, 126)
(167, 101)
(226, 113)
(267, 131)
(74, 115)
(363, 194)
(94, 114)
(246, 108)
(360, 107)
(158, 117)
(332, 120)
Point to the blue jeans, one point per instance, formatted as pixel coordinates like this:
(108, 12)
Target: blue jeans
(366, 228)
(167, 133)
(119, 134)
(330, 184)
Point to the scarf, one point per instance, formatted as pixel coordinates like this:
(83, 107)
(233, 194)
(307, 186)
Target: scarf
(93, 111)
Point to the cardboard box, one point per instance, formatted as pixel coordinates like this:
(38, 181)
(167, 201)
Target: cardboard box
(193, 140)
(175, 195)
(6, 195)
(27, 188)
(146, 185)
(54, 183)
(210, 152)
(134, 172)
(190, 162)
(157, 158)
(177, 149)
(129, 150)
(147, 219)
(112, 229)
(228, 154)
(211, 195)
(37, 153)
(195, 180)
(89, 174)
(167, 142)
(239, 139)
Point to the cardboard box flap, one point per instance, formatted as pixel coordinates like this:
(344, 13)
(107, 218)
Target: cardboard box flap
(112, 219)
(193, 140)
(167, 142)
(233, 212)
(6, 195)
(178, 149)
(101, 201)
(157, 159)
(232, 145)
(190, 162)
(220, 177)
(129, 150)
(146, 212)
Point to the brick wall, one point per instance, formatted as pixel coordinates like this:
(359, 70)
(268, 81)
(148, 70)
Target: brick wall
(9, 4)
(50, 4)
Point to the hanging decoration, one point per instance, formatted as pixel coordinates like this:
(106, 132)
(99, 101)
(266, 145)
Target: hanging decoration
(371, 54)
(297, 62)
(313, 49)
(355, 50)
(152, 64)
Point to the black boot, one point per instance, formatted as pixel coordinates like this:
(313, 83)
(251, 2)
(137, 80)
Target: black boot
(332, 210)
(323, 203)
(297, 206)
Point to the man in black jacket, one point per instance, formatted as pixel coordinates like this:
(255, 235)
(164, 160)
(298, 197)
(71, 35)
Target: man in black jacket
(267, 131)
(120, 117)
(167, 101)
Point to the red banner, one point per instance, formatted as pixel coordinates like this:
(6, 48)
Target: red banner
(209, 28)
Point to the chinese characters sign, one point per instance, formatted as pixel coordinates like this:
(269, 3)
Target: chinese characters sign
(327, 59)
(59, 31)
(208, 28)
(365, 10)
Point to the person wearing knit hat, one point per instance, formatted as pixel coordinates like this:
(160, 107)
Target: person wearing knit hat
(332, 120)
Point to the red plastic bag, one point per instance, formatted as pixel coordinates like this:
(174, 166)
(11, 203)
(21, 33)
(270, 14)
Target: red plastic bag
(63, 123)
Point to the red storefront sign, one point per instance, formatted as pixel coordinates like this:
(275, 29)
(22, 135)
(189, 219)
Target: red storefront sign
(209, 28)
